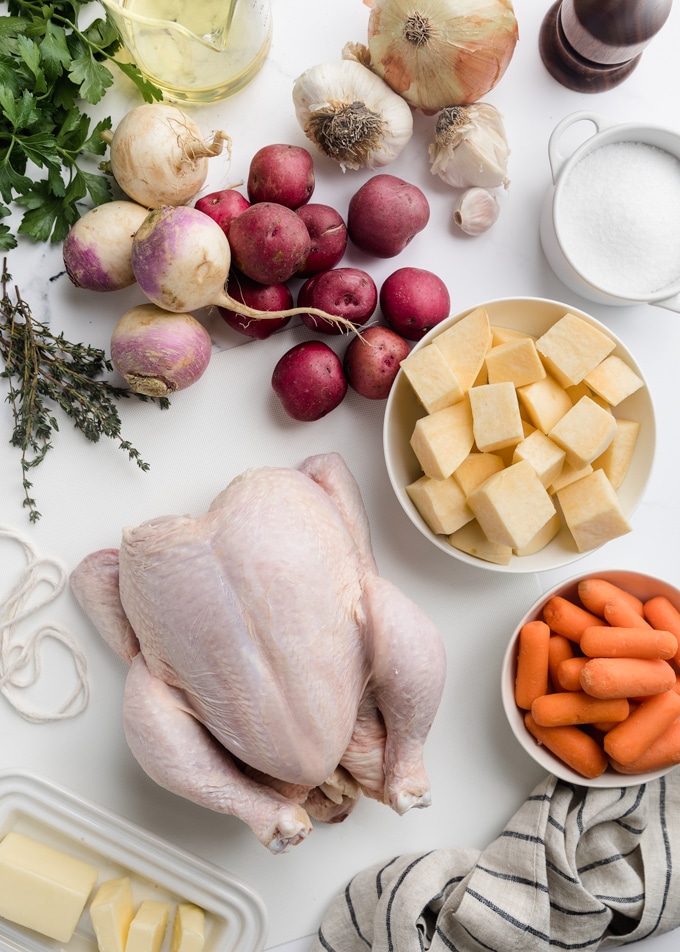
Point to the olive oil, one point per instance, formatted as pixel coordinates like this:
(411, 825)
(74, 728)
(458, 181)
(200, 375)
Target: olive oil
(195, 51)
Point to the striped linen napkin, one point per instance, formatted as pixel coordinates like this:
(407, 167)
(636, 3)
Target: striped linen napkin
(576, 868)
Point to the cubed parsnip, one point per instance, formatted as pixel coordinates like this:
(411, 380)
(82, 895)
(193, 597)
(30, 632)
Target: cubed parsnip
(111, 913)
(546, 457)
(583, 390)
(501, 335)
(442, 440)
(569, 474)
(496, 420)
(464, 345)
(432, 378)
(544, 535)
(512, 505)
(584, 432)
(517, 361)
(472, 540)
(475, 468)
(592, 511)
(441, 503)
(544, 402)
(616, 459)
(571, 348)
(613, 380)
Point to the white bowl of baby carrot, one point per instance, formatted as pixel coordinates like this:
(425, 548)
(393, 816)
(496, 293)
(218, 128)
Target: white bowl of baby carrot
(591, 679)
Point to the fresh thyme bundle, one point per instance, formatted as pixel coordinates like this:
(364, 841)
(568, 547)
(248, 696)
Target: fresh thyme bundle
(46, 371)
(49, 68)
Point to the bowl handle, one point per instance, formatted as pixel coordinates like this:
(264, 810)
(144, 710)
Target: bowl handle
(671, 303)
(556, 157)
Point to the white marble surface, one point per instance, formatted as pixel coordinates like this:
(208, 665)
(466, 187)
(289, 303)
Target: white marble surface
(230, 421)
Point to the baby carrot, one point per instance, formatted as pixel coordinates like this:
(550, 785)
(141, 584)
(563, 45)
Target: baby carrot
(626, 677)
(559, 650)
(596, 592)
(620, 614)
(567, 618)
(572, 745)
(531, 679)
(661, 613)
(577, 707)
(599, 642)
(569, 673)
(664, 752)
(629, 740)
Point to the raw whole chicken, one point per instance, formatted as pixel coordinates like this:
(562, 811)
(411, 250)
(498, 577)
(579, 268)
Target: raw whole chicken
(274, 675)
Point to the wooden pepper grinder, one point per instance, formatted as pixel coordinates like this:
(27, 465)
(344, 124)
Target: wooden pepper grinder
(592, 45)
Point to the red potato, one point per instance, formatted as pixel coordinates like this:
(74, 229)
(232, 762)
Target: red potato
(345, 292)
(263, 297)
(223, 206)
(413, 301)
(269, 242)
(283, 174)
(309, 381)
(328, 233)
(372, 363)
(385, 214)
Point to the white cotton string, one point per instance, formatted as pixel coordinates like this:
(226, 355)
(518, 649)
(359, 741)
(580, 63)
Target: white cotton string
(40, 582)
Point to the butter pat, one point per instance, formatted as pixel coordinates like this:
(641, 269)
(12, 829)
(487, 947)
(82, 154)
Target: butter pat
(188, 931)
(111, 914)
(147, 929)
(42, 888)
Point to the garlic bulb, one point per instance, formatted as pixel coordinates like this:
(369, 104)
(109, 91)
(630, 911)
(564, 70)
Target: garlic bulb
(438, 53)
(351, 114)
(477, 210)
(470, 147)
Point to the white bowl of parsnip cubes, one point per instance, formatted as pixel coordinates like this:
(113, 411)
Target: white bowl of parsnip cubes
(519, 435)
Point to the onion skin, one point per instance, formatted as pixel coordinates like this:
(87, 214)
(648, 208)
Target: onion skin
(159, 352)
(97, 251)
(469, 49)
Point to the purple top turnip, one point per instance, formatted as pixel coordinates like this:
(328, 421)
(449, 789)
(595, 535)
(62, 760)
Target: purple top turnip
(97, 250)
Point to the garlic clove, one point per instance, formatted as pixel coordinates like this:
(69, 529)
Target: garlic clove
(477, 211)
(351, 114)
(470, 147)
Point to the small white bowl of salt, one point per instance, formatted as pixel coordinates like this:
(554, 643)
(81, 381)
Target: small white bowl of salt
(610, 223)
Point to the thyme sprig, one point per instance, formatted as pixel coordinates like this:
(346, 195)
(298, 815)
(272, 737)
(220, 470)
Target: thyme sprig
(46, 371)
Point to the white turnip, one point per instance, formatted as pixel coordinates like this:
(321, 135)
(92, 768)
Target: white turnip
(372, 362)
(223, 206)
(281, 173)
(309, 381)
(328, 234)
(97, 251)
(269, 242)
(181, 259)
(413, 300)
(345, 292)
(385, 214)
(158, 352)
(159, 156)
(264, 297)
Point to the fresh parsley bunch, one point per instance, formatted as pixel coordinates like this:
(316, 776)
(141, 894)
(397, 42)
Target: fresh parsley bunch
(49, 68)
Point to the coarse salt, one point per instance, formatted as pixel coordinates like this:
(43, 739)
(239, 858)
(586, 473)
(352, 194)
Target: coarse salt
(619, 218)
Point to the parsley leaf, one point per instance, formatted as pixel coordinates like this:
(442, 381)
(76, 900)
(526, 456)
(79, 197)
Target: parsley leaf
(49, 68)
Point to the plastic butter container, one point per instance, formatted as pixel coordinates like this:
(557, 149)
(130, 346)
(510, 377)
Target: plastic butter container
(235, 916)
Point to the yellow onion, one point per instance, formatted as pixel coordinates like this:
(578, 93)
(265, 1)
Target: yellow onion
(438, 53)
